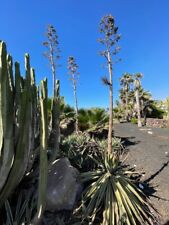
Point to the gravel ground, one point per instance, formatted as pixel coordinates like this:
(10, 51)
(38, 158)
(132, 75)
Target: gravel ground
(149, 153)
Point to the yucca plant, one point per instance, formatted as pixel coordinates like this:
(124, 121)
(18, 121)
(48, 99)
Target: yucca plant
(114, 197)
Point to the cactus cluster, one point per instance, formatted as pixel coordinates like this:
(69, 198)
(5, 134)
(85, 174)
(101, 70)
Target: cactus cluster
(23, 126)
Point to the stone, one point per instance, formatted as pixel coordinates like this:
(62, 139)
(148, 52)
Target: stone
(63, 187)
(157, 123)
(67, 126)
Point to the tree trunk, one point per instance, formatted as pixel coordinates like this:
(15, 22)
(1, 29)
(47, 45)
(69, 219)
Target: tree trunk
(126, 105)
(110, 104)
(54, 77)
(53, 66)
(138, 108)
(76, 106)
(145, 119)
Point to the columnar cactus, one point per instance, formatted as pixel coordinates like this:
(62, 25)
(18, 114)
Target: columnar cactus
(54, 138)
(6, 114)
(43, 152)
(23, 126)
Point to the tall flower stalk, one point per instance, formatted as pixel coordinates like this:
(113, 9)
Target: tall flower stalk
(53, 52)
(73, 72)
(109, 40)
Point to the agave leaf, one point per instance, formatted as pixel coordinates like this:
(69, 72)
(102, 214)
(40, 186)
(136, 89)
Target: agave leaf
(123, 204)
(10, 219)
(141, 205)
(127, 206)
(22, 209)
(130, 202)
(112, 189)
(19, 204)
(100, 197)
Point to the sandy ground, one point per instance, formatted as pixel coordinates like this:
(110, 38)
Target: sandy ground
(149, 153)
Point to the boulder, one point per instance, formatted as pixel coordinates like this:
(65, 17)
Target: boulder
(63, 186)
(67, 126)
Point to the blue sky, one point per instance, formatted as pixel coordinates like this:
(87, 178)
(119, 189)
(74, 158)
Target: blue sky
(143, 25)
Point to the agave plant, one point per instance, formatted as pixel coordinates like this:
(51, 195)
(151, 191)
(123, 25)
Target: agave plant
(22, 212)
(117, 145)
(82, 151)
(113, 196)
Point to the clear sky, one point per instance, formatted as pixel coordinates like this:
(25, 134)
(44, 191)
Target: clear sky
(143, 24)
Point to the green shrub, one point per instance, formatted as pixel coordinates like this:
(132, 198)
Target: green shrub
(134, 120)
(82, 151)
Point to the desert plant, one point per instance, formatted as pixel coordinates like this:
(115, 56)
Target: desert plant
(21, 211)
(125, 81)
(24, 128)
(83, 119)
(53, 54)
(89, 118)
(134, 120)
(74, 74)
(137, 85)
(19, 115)
(156, 111)
(167, 107)
(109, 40)
(119, 112)
(117, 145)
(81, 151)
(114, 197)
(53, 51)
(43, 168)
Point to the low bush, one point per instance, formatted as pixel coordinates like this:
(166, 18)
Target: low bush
(134, 120)
(82, 151)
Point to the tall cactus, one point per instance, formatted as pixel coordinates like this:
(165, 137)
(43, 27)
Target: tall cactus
(18, 114)
(18, 93)
(43, 152)
(22, 144)
(55, 121)
(7, 112)
(24, 127)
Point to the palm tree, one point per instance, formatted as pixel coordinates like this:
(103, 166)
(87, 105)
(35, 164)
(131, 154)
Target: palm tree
(137, 85)
(89, 118)
(145, 103)
(125, 81)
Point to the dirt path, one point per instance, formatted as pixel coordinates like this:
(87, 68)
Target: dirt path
(149, 152)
